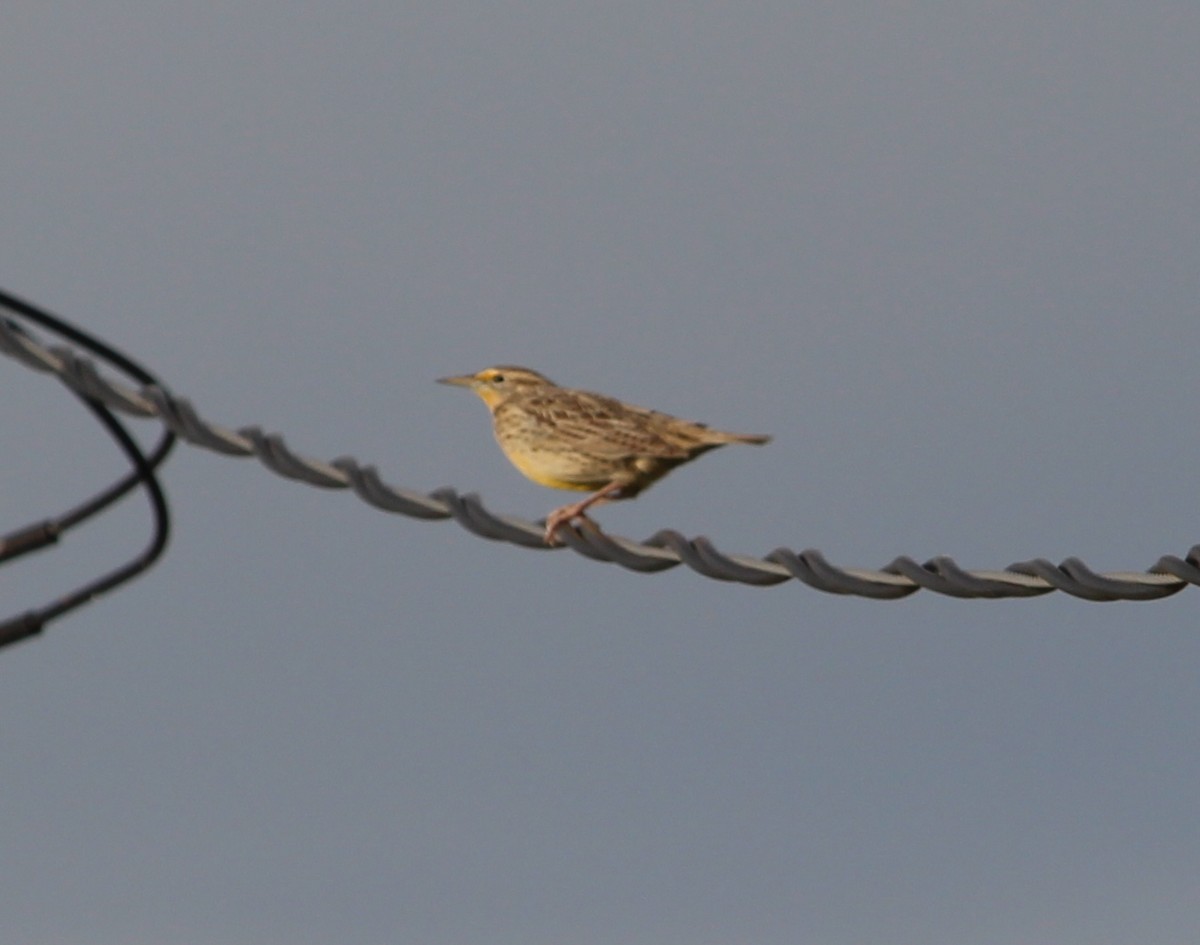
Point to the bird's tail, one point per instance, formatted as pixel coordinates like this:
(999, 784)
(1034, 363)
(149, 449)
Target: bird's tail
(754, 439)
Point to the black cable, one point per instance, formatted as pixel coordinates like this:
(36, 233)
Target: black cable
(40, 534)
(80, 337)
(46, 532)
(158, 503)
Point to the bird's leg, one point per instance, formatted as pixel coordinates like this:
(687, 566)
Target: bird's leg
(568, 513)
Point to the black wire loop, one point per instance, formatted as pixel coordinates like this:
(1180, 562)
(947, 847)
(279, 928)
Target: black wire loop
(85, 381)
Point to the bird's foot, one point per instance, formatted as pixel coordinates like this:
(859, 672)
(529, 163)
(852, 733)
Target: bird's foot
(560, 517)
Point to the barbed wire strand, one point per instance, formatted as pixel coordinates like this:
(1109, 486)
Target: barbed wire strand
(663, 550)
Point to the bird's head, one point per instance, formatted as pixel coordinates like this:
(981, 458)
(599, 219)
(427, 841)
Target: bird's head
(494, 385)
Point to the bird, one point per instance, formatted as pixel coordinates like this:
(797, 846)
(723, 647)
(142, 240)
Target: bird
(575, 439)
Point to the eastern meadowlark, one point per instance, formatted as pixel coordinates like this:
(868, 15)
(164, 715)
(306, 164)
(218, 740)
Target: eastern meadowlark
(574, 439)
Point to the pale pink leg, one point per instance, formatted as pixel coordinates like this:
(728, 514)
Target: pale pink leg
(568, 513)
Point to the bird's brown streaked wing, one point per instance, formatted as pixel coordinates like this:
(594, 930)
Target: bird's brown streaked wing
(599, 426)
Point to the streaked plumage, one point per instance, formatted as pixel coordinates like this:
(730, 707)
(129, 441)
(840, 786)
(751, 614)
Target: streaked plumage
(575, 439)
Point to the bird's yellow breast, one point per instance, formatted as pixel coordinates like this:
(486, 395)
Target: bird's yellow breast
(547, 469)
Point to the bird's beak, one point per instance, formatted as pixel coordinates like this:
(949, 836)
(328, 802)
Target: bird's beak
(460, 380)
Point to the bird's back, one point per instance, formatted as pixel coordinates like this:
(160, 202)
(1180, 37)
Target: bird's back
(571, 438)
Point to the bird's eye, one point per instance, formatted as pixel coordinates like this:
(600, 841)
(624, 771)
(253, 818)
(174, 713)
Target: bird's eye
(497, 378)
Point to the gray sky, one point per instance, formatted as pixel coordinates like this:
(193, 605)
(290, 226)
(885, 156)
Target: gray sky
(946, 254)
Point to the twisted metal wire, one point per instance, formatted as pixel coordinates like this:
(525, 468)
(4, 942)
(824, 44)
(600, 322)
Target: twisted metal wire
(662, 550)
